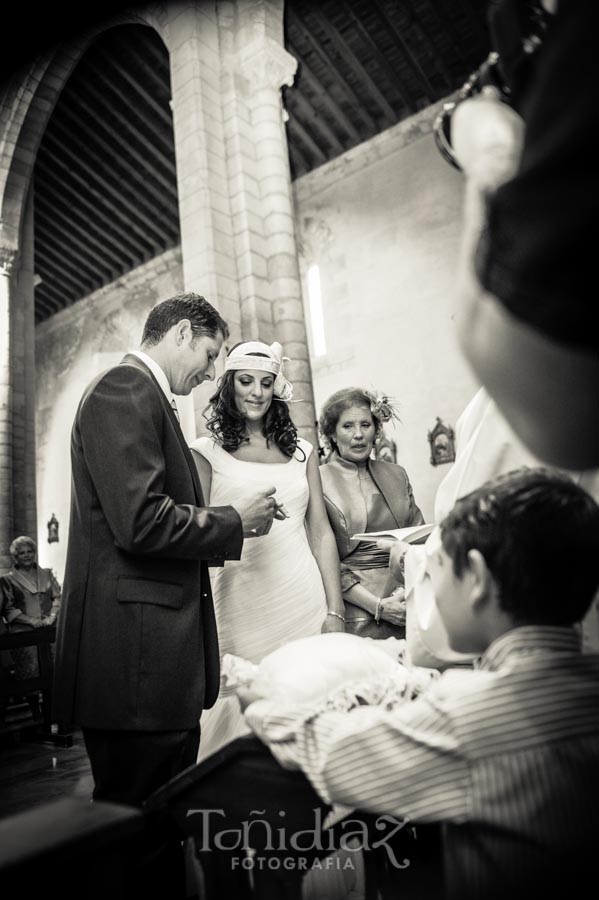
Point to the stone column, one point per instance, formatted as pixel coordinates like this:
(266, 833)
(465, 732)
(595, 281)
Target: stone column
(209, 267)
(23, 382)
(8, 260)
(261, 197)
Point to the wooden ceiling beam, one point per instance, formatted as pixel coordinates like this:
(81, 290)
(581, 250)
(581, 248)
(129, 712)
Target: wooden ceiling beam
(404, 48)
(83, 254)
(43, 305)
(151, 108)
(50, 249)
(79, 242)
(380, 58)
(347, 54)
(51, 213)
(114, 169)
(305, 74)
(298, 24)
(295, 125)
(154, 62)
(155, 50)
(166, 160)
(447, 27)
(52, 184)
(309, 116)
(56, 296)
(58, 273)
(121, 160)
(298, 161)
(434, 54)
(113, 63)
(135, 218)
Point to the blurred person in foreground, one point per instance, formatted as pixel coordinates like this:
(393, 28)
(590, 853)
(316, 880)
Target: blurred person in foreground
(526, 312)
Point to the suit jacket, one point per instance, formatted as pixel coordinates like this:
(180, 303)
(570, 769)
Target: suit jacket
(137, 646)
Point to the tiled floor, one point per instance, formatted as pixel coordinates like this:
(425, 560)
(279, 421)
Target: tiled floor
(33, 773)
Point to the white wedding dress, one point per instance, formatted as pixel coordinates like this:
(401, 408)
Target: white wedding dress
(274, 593)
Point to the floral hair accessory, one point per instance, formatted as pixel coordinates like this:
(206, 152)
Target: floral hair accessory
(382, 407)
(264, 358)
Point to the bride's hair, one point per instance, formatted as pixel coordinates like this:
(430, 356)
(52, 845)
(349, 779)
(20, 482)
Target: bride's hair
(227, 424)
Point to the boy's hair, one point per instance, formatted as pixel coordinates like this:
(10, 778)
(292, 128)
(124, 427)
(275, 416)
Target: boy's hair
(205, 319)
(539, 534)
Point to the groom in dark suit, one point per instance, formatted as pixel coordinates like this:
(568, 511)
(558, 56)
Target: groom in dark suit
(137, 651)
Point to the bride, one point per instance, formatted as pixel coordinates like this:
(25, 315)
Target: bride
(286, 584)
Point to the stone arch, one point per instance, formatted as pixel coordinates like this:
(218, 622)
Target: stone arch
(29, 100)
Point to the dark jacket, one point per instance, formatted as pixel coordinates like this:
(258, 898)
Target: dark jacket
(137, 646)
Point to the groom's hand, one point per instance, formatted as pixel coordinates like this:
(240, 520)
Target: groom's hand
(257, 512)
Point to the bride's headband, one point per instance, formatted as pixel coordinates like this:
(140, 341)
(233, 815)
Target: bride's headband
(245, 356)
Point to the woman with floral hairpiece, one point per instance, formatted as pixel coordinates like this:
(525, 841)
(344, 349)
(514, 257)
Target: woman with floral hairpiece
(362, 494)
(286, 584)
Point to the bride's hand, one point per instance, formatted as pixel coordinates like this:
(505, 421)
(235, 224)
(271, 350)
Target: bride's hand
(332, 623)
(394, 607)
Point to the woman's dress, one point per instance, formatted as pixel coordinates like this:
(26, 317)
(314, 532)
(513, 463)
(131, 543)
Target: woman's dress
(375, 496)
(274, 593)
(36, 593)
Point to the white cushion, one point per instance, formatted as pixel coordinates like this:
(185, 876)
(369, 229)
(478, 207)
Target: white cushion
(312, 667)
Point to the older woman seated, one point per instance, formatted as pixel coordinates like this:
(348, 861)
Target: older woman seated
(362, 495)
(31, 600)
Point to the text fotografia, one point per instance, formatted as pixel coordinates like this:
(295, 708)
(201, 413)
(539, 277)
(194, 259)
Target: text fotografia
(258, 834)
(291, 863)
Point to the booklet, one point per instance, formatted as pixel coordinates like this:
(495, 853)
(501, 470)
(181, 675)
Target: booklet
(414, 534)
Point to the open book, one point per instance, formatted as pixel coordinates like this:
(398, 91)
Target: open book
(415, 534)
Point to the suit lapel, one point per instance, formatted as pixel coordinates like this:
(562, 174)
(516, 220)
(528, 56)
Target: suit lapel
(130, 360)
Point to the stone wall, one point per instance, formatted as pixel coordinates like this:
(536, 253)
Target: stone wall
(71, 348)
(382, 222)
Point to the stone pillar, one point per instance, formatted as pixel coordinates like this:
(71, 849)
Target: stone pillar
(260, 188)
(23, 380)
(8, 260)
(191, 34)
(238, 240)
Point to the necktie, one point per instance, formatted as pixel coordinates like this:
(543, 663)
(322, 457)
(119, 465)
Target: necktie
(175, 410)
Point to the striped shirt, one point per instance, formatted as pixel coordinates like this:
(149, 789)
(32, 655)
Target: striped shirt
(506, 754)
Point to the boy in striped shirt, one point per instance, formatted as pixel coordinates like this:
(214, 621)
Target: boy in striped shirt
(506, 754)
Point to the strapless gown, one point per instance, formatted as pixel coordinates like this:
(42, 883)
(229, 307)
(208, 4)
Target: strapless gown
(274, 593)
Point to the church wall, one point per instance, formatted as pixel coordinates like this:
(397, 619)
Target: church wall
(71, 348)
(382, 222)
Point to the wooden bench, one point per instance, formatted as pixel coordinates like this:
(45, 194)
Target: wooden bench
(12, 688)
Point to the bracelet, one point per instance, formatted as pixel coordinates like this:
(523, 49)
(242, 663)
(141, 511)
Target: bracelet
(332, 612)
(378, 610)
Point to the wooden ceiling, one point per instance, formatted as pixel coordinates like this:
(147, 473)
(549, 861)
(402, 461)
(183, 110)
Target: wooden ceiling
(105, 191)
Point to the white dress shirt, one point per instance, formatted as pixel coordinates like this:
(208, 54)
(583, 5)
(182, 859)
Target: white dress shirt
(156, 371)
